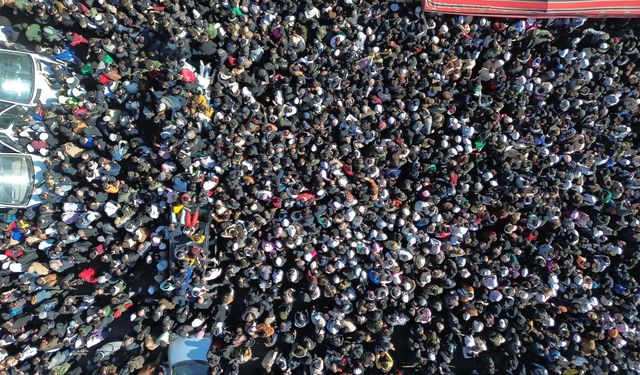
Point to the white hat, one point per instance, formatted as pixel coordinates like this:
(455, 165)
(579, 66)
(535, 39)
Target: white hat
(15, 267)
(76, 92)
(277, 276)
(342, 181)
(350, 215)
(404, 255)
(576, 337)
(196, 322)
(235, 88)
(589, 199)
(293, 275)
(469, 341)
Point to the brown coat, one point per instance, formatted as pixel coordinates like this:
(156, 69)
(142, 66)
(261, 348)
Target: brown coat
(71, 150)
(148, 369)
(50, 280)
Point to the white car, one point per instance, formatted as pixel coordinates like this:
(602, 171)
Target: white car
(20, 172)
(24, 80)
(188, 356)
(23, 83)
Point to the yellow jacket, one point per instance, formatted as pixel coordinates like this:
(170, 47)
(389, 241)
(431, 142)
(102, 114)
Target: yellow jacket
(384, 362)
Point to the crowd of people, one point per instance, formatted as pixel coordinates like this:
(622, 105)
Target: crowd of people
(389, 191)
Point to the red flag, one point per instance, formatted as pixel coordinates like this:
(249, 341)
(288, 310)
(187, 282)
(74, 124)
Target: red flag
(454, 178)
(77, 39)
(305, 197)
(187, 75)
(103, 79)
(89, 275)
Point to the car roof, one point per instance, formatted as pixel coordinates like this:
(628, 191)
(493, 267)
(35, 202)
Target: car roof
(189, 349)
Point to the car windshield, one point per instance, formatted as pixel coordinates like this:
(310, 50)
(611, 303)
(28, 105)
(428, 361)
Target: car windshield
(16, 179)
(190, 368)
(16, 77)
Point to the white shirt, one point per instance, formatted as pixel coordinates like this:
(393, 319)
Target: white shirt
(110, 208)
(28, 353)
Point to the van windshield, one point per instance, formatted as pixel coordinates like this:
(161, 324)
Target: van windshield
(16, 77)
(16, 179)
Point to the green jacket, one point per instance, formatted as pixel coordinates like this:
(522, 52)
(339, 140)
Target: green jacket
(61, 369)
(52, 35)
(34, 33)
(211, 31)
